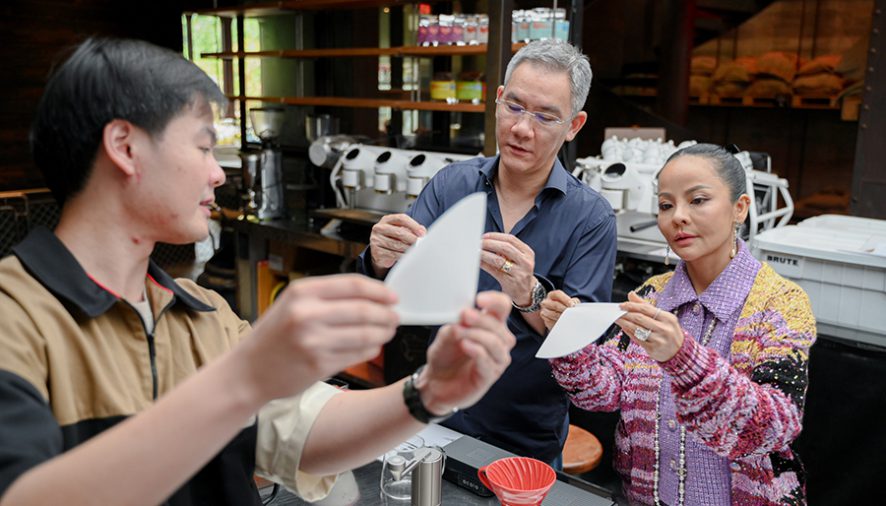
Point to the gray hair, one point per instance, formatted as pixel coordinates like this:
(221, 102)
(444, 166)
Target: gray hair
(725, 164)
(557, 56)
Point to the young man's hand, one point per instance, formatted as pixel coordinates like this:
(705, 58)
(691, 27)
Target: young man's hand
(317, 327)
(466, 358)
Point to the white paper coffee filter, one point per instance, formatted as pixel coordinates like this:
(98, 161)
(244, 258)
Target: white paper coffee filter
(437, 277)
(578, 327)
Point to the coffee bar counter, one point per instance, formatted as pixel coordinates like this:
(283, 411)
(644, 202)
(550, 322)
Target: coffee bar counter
(362, 487)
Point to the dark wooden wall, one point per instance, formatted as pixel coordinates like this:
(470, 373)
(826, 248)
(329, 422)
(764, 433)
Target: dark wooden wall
(34, 33)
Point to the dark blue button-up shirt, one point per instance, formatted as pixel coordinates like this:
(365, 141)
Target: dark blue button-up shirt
(572, 231)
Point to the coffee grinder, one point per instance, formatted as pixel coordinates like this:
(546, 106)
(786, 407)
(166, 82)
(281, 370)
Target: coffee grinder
(263, 171)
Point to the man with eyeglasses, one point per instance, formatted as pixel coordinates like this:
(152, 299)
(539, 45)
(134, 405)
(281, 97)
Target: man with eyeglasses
(545, 230)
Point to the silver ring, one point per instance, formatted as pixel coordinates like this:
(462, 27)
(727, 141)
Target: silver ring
(642, 334)
(506, 266)
(655, 316)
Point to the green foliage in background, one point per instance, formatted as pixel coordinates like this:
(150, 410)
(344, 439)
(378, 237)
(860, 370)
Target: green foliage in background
(207, 37)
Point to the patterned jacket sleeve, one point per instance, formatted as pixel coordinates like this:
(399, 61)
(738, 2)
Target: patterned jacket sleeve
(593, 377)
(738, 414)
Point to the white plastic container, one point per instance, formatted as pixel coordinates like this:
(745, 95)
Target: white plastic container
(847, 287)
(851, 223)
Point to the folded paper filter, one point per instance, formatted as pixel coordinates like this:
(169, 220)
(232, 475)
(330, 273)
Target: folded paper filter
(437, 277)
(578, 327)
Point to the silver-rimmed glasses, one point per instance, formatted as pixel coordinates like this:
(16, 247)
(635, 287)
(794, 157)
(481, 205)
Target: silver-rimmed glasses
(516, 110)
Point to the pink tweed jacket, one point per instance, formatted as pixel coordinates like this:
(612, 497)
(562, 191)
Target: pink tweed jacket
(747, 408)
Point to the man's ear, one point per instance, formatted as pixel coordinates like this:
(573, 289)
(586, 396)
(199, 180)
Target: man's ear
(117, 141)
(575, 125)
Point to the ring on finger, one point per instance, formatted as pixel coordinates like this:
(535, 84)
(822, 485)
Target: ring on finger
(506, 266)
(655, 316)
(642, 334)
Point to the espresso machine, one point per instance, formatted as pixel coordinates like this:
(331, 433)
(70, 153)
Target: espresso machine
(390, 171)
(376, 179)
(387, 180)
(423, 166)
(263, 170)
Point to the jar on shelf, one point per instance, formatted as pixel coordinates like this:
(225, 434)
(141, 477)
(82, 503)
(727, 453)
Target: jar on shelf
(482, 29)
(426, 35)
(445, 35)
(542, 24)
(471, 35)
(470, 88)
(561, 24)
(443, 88)
(521, 25)
(458, 29)
(433, 38)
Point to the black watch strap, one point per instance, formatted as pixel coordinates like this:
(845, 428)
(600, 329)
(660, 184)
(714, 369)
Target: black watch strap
(412, 398)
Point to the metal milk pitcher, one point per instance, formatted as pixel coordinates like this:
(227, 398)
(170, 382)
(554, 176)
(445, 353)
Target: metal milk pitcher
(427, 479)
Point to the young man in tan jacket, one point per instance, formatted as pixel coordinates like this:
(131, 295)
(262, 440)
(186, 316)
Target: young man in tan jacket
(120, 385)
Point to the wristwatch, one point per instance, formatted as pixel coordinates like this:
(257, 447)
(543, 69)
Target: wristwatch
(412, 398)
(538, 294)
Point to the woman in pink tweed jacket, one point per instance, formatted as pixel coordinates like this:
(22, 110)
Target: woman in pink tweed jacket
(709, 365)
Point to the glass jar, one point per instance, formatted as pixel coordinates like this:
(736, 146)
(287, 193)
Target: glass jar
(425, 21)
(458, 30)
(482, 28)
(469, 88)
(470, 35)
(522, 19)
(443, 88)
(542, 24)
(445, 34)
(561, 25)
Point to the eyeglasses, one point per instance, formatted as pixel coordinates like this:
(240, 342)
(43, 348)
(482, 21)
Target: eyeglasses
(516, 110)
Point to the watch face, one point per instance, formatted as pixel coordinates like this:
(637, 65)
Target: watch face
(538, 293)
(537, 296)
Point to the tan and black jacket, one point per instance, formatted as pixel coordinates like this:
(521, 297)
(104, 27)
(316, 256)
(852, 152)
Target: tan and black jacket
(75, 359)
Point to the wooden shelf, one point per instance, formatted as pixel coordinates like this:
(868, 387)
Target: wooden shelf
(788, 102)
(451, 50)
(306, 53)
(428, 51)
(291, 6)
(368, 103)
(791, 102)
